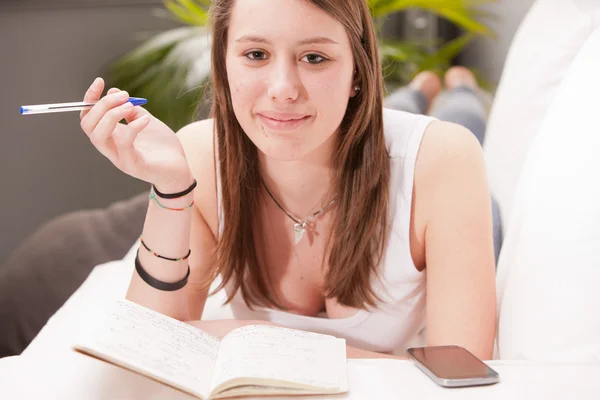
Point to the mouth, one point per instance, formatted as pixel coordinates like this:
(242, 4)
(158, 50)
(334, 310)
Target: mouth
(284, 123)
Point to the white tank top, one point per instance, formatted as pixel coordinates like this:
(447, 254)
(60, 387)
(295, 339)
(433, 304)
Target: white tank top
(398, 321)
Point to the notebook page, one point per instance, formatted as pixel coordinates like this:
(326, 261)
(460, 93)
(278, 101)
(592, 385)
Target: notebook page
(154, 344)
(261, 352)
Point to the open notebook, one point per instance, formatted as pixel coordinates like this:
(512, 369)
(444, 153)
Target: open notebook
(254, 360)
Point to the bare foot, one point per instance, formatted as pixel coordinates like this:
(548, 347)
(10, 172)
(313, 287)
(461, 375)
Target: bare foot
(460, 76)
(428, 83)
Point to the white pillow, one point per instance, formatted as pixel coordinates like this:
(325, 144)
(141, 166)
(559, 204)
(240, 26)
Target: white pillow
(549, 268)
(542, 50)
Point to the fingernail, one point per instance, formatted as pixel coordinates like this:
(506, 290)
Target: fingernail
(123, 95)
(96, 83)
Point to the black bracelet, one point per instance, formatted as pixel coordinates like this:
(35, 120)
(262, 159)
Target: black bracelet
(175, 195)
(155, 283)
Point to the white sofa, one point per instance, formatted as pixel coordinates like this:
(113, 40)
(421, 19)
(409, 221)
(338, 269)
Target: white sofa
(541, 152)
(540, 149)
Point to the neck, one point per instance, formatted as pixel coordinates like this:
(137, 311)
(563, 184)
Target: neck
(301, 186)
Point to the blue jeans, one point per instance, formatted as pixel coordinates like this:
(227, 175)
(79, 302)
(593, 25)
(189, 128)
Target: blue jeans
(461, 106)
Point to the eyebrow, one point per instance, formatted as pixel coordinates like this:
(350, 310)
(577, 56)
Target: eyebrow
(258, 39)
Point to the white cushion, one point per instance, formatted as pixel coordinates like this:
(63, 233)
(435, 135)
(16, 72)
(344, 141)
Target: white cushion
(549, 268)
(542, 50)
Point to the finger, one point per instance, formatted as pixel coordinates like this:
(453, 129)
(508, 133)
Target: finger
(102, 136)
(93, 94)
(138, 113)
(124, 139)
(96, 113)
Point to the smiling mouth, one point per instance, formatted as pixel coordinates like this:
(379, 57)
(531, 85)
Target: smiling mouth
(287, 124)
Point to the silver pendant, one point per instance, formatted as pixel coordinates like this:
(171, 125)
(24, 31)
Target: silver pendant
(299, 231)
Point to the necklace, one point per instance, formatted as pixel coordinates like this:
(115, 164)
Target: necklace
(300, 225)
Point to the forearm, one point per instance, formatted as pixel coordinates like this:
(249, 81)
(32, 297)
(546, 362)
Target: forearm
(220, 328)
(167, 233)
(355, 352)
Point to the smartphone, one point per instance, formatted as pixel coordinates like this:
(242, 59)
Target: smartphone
(453, 366)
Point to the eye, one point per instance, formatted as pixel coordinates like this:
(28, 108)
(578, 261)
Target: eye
(315, 59)
(256, 55)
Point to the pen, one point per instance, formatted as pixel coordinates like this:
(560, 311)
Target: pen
(76, 106)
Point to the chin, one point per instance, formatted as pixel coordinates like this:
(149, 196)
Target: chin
(283, 151)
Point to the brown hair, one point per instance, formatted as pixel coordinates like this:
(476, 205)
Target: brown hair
(361, 174)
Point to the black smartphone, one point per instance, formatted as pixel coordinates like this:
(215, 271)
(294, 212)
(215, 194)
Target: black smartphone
(453, 366)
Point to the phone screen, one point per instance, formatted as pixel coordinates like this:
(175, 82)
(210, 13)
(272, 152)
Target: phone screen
(452, 362)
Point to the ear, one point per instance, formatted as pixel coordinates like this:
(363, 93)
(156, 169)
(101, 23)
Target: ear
(355, 85)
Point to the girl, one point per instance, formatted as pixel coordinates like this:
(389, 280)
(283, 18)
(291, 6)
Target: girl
(317, 208)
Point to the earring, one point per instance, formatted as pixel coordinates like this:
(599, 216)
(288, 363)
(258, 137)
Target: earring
(356, 88)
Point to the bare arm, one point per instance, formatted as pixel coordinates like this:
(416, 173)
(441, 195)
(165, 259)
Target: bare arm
(172, 233)
(149, 150)
(461, 297)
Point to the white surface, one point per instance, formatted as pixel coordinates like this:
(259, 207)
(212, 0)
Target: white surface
(549, 269)
(542, 50)
(75, 376)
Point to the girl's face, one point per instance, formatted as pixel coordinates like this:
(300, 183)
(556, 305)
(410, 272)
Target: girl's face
(290, 69)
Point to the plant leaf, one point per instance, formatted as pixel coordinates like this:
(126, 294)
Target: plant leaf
(200, 14)
(182, 14)
(169, 70)
(464, 13)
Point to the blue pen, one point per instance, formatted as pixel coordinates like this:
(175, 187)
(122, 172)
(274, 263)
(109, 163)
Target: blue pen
(63, 107)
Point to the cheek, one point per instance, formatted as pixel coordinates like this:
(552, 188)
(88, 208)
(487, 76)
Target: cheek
(330, 96)
(241, 88)
(330, 89)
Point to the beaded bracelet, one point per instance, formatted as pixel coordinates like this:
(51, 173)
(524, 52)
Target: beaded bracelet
(163, 257)
(153, 197)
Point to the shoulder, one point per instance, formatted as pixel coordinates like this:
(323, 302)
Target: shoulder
(197, 141)
(197, 135)
(447, 147)
(449, 164)
(399, 128)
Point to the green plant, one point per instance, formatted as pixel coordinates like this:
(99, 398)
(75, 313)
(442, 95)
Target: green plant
(171, 68)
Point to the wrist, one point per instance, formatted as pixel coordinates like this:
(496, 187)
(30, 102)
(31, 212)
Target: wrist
(178, 184)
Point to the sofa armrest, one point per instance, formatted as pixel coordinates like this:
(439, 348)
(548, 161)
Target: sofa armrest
(50, 264)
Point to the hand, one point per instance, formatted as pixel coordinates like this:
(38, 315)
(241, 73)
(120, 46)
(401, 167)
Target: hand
(145, 148)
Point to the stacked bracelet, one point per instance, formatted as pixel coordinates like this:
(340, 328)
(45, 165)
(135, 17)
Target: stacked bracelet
(155, 283)
(154, 192)
(175, 195)
(163, 257)
(153, 197)
(146, 277)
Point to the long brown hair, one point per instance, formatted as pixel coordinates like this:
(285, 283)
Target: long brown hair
(360, 180)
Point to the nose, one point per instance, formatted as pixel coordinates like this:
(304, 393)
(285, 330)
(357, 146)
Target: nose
(284, 82)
